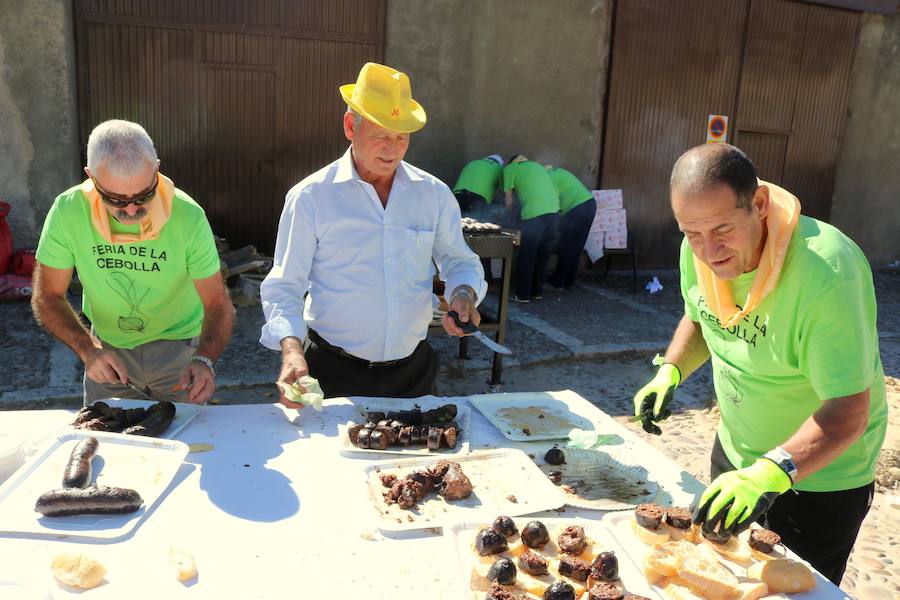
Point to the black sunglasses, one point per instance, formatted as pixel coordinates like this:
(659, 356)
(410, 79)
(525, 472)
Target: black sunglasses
(138, 199)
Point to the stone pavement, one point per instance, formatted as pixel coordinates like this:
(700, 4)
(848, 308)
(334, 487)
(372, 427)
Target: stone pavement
(598, 319)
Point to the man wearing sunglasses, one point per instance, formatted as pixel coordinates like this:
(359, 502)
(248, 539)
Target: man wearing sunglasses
(148, 265)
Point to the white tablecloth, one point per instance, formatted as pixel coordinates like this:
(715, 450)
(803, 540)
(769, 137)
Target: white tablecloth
(275, 511)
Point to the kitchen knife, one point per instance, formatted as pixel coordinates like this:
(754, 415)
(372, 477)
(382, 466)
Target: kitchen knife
(473, 329)
(144, 394)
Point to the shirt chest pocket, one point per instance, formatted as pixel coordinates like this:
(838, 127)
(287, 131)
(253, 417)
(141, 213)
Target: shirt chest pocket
(417, 247)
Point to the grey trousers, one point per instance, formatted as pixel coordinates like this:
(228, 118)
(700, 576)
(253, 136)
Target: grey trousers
(154, 367)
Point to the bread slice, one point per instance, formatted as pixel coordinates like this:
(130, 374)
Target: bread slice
(752, 590)
(783, 575)
(703, 571)
(691, 535)
(677, 589)
(648, 536)
(736, 549)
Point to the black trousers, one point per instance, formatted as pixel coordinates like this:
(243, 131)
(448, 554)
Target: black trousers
(821, 527)
(340, 376)
(573, 233)
(534, 253)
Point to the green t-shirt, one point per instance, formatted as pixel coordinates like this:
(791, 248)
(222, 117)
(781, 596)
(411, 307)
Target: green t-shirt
(571, 191)
(811, 339)
(533, 186)
(139, 292)
(480, 177)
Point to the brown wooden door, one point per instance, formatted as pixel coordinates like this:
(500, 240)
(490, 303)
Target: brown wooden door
(780, 70)
(240, 96)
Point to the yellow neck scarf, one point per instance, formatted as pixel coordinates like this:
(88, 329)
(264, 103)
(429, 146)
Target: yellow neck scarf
(784, 210)
(158, 211)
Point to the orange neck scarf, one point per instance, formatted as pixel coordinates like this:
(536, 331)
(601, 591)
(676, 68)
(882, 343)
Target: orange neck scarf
(158, 211)
(781, 221)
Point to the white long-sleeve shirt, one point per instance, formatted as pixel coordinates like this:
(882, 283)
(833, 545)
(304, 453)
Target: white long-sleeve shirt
(367, 269)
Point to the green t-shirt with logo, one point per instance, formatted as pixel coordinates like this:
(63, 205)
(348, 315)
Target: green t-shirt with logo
(571, 191)
(480, 177)
(533, 186)
(139, 292)
(811, 339)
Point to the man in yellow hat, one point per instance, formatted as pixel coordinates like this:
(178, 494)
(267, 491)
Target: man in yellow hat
(360, 236)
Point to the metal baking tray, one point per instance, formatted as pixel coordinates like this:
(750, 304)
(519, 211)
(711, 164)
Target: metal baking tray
(147, 465)
(505, 482)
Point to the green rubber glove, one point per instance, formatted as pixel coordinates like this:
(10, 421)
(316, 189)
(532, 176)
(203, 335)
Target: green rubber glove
(651, 400)
(738, 498)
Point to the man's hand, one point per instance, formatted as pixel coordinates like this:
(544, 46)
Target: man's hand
(293, 367)
(463, 302)
(651, 401)
(105, 367)
(200, 382)
(738, 498)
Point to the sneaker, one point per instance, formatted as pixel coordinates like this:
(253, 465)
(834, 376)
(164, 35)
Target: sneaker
(538, 296)
(516, 298)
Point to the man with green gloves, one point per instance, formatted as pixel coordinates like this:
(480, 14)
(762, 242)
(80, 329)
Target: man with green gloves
(784, 306)
(539, 204)
(578, 208)
(477, 182)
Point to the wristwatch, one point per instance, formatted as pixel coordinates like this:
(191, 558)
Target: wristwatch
(784, 460)
(206, 361)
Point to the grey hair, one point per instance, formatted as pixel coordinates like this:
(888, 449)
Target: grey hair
(122, 147)
(357, 118)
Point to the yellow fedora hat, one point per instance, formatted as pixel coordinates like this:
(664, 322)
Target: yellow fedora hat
(383, 95)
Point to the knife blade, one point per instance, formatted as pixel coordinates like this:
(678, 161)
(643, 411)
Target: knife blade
(145, 395)
(472, 329)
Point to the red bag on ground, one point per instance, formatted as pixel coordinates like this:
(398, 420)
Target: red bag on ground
(14, 287)
(23, 262)
(6, 241)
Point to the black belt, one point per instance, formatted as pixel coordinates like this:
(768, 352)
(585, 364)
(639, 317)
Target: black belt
(338, 351)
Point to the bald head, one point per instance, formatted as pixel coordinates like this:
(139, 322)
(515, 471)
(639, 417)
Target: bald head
(705, 167)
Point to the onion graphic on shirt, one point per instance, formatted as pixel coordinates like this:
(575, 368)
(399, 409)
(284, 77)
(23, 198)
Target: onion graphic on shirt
(124, 287)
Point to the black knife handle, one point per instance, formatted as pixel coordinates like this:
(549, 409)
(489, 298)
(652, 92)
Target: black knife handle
(469, 327)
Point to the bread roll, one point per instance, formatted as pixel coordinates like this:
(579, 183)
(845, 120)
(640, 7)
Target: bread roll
(77, 570)
(783, 575)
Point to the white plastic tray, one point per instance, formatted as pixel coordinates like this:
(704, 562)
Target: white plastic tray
(545, 415)
(462, 537)
(604, 479)
(620, 524)
(144, 464)
(184, 413)
(495, 474)
(463, 418)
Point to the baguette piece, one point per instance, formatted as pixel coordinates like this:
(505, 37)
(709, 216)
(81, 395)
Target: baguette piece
(783, 575)
(703, 571)
(682, 564)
